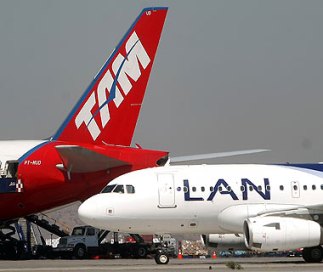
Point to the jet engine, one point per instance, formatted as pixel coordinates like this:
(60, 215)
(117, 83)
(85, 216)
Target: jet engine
(225, 241)
(275, 233)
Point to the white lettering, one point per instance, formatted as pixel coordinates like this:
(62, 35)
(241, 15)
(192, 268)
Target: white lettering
(85, 116)
(107, 90)
(34, 162)
(129, 66)
(104, 86)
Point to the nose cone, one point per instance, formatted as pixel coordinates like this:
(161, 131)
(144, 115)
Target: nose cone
(88, 211)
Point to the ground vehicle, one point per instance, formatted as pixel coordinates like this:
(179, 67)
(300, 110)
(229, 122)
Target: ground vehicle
(83, 240)
(87, 241)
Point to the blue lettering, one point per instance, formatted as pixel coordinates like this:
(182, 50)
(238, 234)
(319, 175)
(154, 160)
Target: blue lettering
(223, 188)
(265, 195)
(227, 191)
(187, 194)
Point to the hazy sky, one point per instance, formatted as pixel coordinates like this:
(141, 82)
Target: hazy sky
(228, 75)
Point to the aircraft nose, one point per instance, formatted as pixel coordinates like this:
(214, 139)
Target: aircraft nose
(88, 211)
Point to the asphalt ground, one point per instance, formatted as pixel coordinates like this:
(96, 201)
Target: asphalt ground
(219, 264)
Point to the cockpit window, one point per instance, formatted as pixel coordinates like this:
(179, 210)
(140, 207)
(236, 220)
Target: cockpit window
(119, 189)
(108, 189)
(130, 189)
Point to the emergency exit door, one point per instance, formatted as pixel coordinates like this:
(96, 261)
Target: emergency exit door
(166, 191)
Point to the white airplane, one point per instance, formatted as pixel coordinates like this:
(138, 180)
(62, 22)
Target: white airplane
(266, 207)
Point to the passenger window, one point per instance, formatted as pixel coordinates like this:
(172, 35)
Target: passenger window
(313, 187)
(305, 187)
(268, 187)
(220, 188)
(185, 189)
(130, 189)
(229, 189)
(281, 187)
(202, 189)
(194, 189)
(108, 189)
(242, 188)
(179, 189)
(321, 186)
(295, 187)
(250, 188)
(211, 189)
(259, 188)
(119, 189)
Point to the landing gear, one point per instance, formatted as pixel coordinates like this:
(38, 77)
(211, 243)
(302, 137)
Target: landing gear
(164, 250)
(161, 258)
(313, 254)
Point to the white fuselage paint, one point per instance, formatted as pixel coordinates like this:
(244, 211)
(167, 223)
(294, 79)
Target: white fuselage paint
(13, 150)
(160, 205)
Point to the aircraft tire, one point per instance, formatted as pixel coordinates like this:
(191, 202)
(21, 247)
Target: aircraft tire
(313, 254)
(161, 258)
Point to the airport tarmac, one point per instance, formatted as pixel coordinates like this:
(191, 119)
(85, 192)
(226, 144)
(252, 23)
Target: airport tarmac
(219, 264)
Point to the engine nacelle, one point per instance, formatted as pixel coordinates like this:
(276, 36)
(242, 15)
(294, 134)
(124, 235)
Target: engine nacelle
(274, 233)
(225, 241)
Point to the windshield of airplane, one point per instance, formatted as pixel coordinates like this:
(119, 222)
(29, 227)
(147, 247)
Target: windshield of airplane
(119, 188)
(108, 189)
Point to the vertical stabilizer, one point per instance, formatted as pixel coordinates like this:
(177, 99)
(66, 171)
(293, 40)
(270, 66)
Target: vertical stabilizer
(108, 110)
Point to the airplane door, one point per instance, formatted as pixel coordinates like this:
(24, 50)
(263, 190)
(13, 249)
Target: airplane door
(166, 191)
(295, 189)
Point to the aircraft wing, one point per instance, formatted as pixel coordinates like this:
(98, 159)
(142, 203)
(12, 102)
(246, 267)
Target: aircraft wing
(283, 211)
(215, 155)
(78, 159)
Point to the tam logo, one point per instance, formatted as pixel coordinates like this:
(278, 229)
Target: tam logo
(123, 67)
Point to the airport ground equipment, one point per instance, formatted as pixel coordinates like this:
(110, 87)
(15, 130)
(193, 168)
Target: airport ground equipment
(87, 241)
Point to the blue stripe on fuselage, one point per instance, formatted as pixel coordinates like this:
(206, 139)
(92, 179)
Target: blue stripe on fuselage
(311, 166)
(28, 153)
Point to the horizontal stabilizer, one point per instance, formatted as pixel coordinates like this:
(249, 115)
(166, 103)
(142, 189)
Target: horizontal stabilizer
(77, 159)
(215, 155)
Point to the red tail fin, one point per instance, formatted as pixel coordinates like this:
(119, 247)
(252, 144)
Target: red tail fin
(108, 110)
